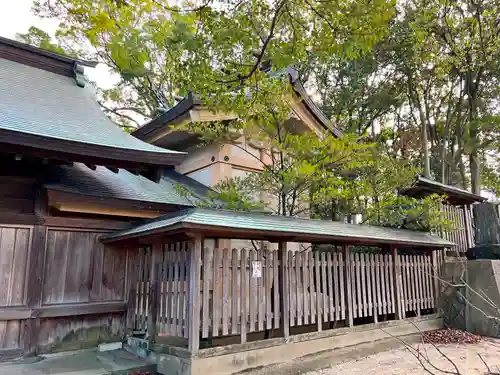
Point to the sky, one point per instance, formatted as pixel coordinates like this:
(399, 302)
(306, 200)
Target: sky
(17, 17)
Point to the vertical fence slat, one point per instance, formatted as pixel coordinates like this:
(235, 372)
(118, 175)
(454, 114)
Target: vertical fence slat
(207, 268)
(312, 289)
(252, 294)
(276, 312)
(243, 295)
(408, 284)
(166, 289)
(330, 286)
(363, 283)
(170, 290)
(268, 283)
(319, 301)
(369, 284)
(323, 287)
(390, 272)
(398, 293)
(341, 285)
(284, 283)
(432, 301)
(419, 272)
(384, 286)
(293, 288)
(336, 293)
(306, 292)
(428, 270)
(180, 290)
(175, 297)
(185, 297)
(298, 288)
(376, 260)
(415, 284)
(348, 286)
(425, 282)
(140, 286)
(404, 283)
(359, 296)
(162, 275)
(235, 312)
(387, 293)
(373, 287)
(225, 292)
(216, 300)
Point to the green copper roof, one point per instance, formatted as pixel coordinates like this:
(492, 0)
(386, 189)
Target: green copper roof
(280, 226)
(36, 102)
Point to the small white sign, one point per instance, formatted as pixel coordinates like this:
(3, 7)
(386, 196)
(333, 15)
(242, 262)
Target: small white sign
(256, 269)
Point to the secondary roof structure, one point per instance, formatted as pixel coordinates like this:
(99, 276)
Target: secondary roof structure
(424, 187)
(159, 132)
(49, 110)
(249, 225)
(77, 188)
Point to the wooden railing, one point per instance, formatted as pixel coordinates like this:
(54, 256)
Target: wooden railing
(241, 290)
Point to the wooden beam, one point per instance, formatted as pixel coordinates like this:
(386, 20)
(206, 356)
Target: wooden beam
(84, 202)
(284, 289)
(7, 354)
(103, 210)
(79, 309)
(194, 294)
(15, 313)
(19, 219)
(80, 223)
(63, 222)
(55, 311)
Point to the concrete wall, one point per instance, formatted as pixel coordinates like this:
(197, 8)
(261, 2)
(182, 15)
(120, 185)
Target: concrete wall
(239, 357)
(471, 296)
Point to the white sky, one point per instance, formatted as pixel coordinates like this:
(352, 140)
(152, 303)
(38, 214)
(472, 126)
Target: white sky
(16, 17)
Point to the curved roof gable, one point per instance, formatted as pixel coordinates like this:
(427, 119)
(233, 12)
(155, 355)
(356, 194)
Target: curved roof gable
(42, 107)
(190, 101)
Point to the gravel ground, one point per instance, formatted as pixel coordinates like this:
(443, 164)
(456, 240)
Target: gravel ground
(401, 361)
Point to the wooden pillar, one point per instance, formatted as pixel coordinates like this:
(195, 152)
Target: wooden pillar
(435, 276)
(284, 289)
(398, 282)
(348, 285)
(154, 290)
(466, 211)
(36, 261)
(195, 246)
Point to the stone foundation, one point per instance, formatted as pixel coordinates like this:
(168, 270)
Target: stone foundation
(231, 359)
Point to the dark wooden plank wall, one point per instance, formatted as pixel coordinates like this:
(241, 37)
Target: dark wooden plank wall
(81, 287)
(16, 194)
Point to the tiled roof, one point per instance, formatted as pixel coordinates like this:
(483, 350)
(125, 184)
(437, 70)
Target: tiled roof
(104, 183)
(300, 229)
(36, 102)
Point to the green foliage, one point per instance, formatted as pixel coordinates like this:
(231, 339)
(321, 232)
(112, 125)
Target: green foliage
(410, 213)
(41, 39)
(216, 49)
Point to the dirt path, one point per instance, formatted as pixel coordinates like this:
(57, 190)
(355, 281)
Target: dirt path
(401, 361)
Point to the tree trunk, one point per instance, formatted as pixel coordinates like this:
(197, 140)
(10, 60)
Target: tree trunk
(415, 99)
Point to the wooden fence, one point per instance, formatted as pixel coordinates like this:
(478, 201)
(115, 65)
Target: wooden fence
(463, 233)
(240, 289)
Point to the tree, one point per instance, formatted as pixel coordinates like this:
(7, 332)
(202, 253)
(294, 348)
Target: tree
(216, 49)
(39, 38)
